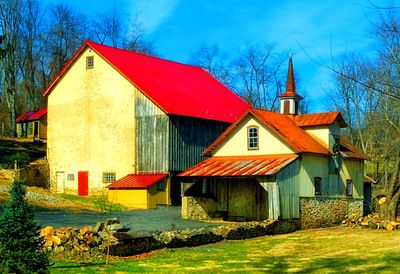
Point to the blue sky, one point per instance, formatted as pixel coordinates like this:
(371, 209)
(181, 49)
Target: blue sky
(323, 28)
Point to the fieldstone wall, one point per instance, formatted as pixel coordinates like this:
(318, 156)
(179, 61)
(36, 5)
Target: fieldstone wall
(198, 208)
(327, 211)
(129, 246)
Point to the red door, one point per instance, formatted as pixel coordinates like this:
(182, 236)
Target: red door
(83, 188)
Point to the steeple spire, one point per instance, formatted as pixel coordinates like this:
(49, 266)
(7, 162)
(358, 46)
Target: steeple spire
(290, 85)
(289, 99)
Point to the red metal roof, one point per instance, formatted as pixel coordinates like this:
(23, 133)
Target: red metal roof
(283, 126)
(349, 150)
(319, 119)
(176, 88)
(240, 165)
(137, 181)
(31, 115)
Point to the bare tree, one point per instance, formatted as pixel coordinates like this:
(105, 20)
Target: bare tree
(212, 60)
(256, 76)
(10, 24)
(30, 54)
(369, 93)
(107, 28)
(66, 31)
(133, 38)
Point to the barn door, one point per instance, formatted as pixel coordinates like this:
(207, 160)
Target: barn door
(83, 183)
(60, 181)
(273, 199)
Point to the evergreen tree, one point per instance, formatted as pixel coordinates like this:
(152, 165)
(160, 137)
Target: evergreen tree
(20, 243)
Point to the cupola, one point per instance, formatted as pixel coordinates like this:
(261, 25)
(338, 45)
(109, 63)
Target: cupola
(290, 100)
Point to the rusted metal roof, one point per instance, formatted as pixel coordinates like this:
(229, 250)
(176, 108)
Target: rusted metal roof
(176, 88)
(31, 115)
(137, 181)
(349, 150)
(240, 165)
(319, 119)
(283, 126)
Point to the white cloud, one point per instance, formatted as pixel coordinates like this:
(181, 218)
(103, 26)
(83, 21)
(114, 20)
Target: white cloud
(152, 13)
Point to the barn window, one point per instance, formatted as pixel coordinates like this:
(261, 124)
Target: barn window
(89, 62)
(252, 137)
(349, 187)
(71, 177)
(318, 185)
(161, 186)
(108, 177)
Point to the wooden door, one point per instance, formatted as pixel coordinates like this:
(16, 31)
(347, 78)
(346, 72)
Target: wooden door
(83, 183)
(60, 181)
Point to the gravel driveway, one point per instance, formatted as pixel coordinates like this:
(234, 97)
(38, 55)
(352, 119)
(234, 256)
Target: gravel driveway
(141, 222)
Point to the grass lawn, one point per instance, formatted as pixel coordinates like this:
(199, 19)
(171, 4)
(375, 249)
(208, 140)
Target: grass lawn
(330, 250)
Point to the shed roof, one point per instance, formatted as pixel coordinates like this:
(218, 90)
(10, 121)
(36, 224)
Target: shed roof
(31, 115)
(369, 180)
(319, 119)
(240, 166)
(176, 88)
(349, 150)
(137, 181)
(283, 126)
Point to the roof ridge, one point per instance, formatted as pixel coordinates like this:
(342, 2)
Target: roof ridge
(88, 42)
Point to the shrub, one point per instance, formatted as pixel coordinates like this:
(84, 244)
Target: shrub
(22, 159)
(20, 243)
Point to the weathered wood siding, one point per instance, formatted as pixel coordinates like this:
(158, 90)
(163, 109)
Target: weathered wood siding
(288, 182)
(188, 138)
(353, 169)
(151, 136)
(313, 165)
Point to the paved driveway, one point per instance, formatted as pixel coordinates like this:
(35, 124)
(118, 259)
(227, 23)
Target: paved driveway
(141, 222)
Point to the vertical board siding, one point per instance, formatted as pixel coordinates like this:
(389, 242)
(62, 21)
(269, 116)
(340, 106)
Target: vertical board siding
(151, 136)
(288, 181)
(189, 137)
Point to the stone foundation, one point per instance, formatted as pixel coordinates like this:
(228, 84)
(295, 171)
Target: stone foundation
(326, 211)
(198, 208)
(187, 238)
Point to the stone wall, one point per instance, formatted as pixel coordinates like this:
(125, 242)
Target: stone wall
(327, 211)
(128, 246)
(198, 208)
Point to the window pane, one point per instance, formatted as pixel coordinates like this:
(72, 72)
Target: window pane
(89, 62)
(252, 137)
(108, 177)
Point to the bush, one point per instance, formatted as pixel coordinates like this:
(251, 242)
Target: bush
(20, 243)
(22, 159)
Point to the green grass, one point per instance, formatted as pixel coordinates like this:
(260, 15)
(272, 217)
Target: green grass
(332, 250)
(97, 203)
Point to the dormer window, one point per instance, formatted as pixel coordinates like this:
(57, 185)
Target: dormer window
(89, 62)
(252, 137)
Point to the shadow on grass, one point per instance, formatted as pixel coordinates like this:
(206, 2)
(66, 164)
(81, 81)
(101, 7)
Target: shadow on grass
(283, 264)
(70, 265)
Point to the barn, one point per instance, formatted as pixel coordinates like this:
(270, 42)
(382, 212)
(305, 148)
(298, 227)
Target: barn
(114, 113)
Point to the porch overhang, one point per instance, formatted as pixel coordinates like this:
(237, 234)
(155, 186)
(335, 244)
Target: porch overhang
(233, 166)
